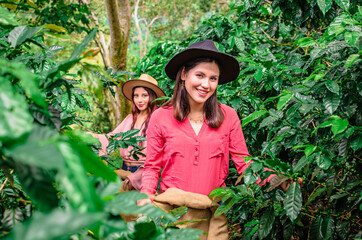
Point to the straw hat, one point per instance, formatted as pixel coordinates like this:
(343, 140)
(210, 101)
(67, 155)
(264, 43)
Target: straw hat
(144, 80)
(229, 65)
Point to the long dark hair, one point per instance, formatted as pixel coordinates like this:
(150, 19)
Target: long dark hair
(152, 106)
(181, 107)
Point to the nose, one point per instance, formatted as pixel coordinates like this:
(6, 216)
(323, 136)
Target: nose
(205, 83)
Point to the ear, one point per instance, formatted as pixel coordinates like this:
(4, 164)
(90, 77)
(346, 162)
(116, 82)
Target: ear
(183, 74)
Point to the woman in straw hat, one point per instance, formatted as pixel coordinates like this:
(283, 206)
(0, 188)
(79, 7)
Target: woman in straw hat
(192, 135)
(142, 92)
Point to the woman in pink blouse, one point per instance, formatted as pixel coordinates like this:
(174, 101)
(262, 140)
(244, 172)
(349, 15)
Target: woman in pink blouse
(142, 92)
(191, 137)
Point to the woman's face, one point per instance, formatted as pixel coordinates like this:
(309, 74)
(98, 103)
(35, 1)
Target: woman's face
(141, 99)
(201, 82)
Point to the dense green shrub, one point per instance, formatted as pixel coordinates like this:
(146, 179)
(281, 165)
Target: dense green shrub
(298, 95)
(53, 186)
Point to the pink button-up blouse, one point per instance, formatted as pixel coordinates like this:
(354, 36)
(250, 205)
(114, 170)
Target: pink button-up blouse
(124, 153)
(190, 162)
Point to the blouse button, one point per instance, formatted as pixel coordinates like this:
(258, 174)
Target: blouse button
(196, 153)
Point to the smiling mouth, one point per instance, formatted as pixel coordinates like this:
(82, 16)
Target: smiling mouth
(201, 92)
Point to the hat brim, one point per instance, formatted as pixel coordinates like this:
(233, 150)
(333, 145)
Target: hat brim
(128, 86)
(230, 66)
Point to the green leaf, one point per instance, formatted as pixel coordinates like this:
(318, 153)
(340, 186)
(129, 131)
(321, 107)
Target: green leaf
(7, 18)
(327, 227)
(331, 102)
(268, 121)
(68, 103)
(259, 73)
(20, 34)
(319, 76)
(145, 230)
(344, 4)
(324, 5)
(301, 163)
(92, 81)
(351, 38)
(225, 206)
(255, 115)
(305, 42)
(309, 150)
(26, 79)
(75, 182)
(335, 30)
(92, 164)
(293, 201)
(39, 150)
(57, 224)
(323, 161)
(15, 120)
(332, 86)
(178, 212)
(266, 223)
(249, 177)
(323, 125)
(183, 234)
(239, 44)
(78, 50)
(356, 143)
(283, 100)
(130, 133)
(339, 125)
(316, 194)
(351, 59)
(38, 184)
(126, 203)
(315, 229)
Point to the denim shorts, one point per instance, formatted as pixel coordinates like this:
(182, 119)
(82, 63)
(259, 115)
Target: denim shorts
(130, 168)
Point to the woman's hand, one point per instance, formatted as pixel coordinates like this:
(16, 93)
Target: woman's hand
(147, 200)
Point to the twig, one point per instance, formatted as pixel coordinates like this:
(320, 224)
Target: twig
(5, 181)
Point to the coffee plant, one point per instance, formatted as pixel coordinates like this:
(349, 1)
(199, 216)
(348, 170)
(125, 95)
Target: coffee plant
(299, 98)
(53, 186)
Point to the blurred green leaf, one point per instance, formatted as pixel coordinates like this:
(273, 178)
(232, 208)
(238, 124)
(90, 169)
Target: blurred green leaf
(38, 184)
(15, 120)
(75, 183)
(57, 224)
(126, 203)
(351, 59)
(324, 5)
(344, 4)
(7, 17)
(78, 50)
(351, 37)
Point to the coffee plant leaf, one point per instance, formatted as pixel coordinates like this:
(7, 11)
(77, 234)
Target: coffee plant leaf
(293, 201)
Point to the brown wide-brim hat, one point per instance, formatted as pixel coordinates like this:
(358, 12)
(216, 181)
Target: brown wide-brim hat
(144, 80)
(230, 68)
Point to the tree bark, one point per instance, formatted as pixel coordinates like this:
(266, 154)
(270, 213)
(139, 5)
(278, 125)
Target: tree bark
(119, 18)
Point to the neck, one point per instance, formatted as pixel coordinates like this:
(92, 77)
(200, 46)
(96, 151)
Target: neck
(143, 113)
(196, 108)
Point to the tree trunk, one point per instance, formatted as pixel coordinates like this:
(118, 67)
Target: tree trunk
(119, 18)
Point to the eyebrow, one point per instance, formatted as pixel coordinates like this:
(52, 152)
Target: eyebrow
(198, 71)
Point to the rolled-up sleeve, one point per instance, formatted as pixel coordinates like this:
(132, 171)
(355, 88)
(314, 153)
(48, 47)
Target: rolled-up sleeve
(155, 148)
